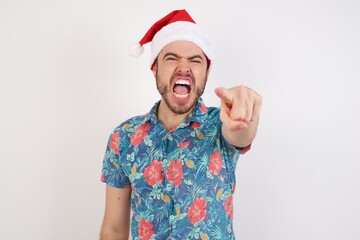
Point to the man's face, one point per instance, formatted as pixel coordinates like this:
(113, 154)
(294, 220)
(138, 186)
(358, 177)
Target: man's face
(181, 74)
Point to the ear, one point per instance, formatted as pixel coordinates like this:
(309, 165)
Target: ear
(154, 68)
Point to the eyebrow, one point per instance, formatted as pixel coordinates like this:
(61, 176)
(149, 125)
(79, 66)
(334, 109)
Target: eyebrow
(178, 56)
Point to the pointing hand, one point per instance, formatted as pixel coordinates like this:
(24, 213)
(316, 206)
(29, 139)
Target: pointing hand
(240, 106)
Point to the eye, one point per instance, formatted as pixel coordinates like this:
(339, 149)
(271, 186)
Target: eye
(170, 58)
(196, 61)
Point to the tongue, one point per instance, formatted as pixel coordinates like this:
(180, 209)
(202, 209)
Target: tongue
(179, 89)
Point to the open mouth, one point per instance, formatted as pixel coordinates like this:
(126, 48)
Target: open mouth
(182, 88)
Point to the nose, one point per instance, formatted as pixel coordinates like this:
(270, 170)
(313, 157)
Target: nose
(183, 66)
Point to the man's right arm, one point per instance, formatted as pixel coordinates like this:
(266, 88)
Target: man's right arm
(116, 221)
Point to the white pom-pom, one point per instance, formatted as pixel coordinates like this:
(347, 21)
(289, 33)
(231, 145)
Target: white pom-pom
(135, 50)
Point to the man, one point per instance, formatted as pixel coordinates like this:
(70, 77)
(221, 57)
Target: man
(175, 166)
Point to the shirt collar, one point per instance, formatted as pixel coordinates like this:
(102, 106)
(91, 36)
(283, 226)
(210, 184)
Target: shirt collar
(198, 114)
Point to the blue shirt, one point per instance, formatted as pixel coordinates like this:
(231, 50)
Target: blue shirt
(182, 180)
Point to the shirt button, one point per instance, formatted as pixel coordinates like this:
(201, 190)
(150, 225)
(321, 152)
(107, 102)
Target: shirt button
(172, 217)
(165, 161)
(168, 188)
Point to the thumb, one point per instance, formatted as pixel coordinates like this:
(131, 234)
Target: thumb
(224, 94)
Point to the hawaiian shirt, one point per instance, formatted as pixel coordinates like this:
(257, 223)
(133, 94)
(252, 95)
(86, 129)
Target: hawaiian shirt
(182, 180)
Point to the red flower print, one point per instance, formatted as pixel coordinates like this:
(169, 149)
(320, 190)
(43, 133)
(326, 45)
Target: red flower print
(195, 125)
(174, 172)
(140, 134)
(102, 178)
(216, 163)
(145, 229)
(229, 206)
(153, 173)
(114, 142)
(203, 108)
(196, 211)
(184, 144)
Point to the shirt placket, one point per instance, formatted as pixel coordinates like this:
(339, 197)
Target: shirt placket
(168, 145)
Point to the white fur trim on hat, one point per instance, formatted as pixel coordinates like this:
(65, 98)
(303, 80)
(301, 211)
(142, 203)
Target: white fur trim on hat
(181, 30)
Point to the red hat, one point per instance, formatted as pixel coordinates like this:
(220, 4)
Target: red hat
(177, 25)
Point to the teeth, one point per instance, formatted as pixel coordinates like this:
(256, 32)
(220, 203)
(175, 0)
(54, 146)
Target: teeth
(183, 82)
(181, 95)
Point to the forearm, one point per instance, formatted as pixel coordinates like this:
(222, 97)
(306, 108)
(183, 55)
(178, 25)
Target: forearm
(116, 223)
(242, 137)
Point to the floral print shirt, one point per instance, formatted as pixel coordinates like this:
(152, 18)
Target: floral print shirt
(182, 180)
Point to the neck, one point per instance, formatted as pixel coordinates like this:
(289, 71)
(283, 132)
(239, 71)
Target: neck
(169, 119)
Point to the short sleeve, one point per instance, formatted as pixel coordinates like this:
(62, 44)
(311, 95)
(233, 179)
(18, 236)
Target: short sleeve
(112, 172)
(232, 152)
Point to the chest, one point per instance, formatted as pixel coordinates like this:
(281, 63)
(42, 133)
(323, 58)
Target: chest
(181, 162)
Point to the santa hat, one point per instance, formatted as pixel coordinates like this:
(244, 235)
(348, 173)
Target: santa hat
(177, 25)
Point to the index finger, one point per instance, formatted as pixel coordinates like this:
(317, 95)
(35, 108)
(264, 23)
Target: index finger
(224, 94)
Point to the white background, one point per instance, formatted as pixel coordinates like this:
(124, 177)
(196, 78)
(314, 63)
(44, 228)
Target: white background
(67, 80)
